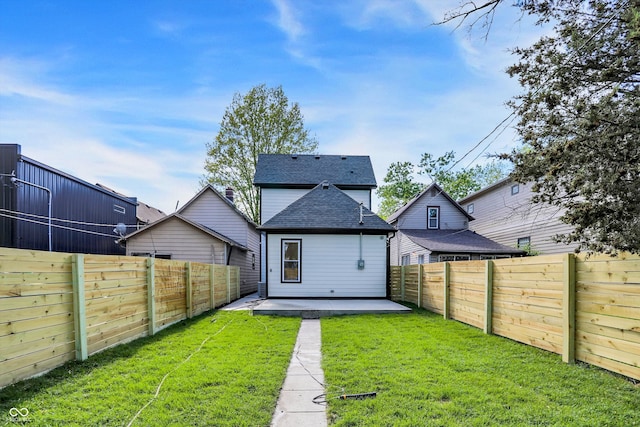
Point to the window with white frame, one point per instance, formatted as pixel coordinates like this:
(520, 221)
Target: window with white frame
(405, 259)
(524, 242)
(442, 258)
(470, 208)
(291, 260)
(515, 189)
(421, 259)
(433, 217)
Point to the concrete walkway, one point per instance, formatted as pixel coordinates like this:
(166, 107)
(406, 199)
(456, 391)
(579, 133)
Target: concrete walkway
(304, 381)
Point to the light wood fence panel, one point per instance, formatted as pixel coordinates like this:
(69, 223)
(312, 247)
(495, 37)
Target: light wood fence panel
(56, 307)
(201, 293)
(115, 300)
(527, 300)
(171, 292)
(36, 313)
(395, 273)
(466, 292)
(411, 283)
(608, 313)
(433, 287)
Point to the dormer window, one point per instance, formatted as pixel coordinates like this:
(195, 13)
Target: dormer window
(433, 217)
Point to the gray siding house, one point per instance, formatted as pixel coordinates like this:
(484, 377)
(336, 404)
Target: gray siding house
(320, 238)
(207, 229)
(432, 227)
(504, 213)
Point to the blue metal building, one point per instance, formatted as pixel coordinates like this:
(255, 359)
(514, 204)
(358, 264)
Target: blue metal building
(42, 208)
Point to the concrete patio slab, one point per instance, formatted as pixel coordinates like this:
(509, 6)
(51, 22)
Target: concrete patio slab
(314, 308)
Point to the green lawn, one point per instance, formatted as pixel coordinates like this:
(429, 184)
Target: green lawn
(430, 372)
(223, 369)
(226, 369)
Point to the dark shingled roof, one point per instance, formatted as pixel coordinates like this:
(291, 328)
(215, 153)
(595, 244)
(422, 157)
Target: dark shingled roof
(308, 170)
(458, 241)
(326, 209)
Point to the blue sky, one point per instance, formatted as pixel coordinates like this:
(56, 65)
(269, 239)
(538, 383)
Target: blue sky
(127, 93)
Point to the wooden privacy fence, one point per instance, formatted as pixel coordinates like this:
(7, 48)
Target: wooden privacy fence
(585, 308)
(56, 307)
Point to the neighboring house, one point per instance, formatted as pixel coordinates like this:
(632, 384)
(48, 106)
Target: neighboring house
(42, 208)
(432, 227)
(504, 212)
(145, 214)
(320, 238)
(208, 229)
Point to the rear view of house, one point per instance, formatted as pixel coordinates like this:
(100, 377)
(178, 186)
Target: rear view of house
(319, 237)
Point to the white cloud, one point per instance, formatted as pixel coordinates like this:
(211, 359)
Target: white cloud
(288, 20)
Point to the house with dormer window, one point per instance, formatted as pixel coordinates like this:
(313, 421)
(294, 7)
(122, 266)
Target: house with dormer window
(319, 236)
(432, 227)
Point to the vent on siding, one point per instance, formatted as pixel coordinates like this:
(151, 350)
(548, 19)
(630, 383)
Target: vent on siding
(119, 209)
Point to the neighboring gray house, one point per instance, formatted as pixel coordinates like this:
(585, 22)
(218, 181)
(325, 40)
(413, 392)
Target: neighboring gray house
(319, 236)
(432, 227)
(208, 229)
(503, 212)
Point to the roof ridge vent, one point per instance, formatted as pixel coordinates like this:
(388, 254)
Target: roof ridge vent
(294, 156)
(325, 184)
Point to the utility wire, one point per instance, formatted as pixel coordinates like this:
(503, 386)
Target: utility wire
(58, 226)
(535, 92)
(70, 221)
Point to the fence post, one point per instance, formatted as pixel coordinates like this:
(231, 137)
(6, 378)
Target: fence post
(488, 297)
(228, 267)
(151, 294)
(79, 314)
(445, 309)
(189, 296)
(569, 312)
(419, 285)
(211, 287)
(402, 283)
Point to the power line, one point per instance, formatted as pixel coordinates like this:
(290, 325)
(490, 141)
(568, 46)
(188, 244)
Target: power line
(535, 92)
(13, 216)
(70, 221)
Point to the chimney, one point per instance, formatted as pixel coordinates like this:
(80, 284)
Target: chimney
(228, 193)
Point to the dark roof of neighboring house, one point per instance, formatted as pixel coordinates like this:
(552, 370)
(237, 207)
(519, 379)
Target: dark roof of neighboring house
(326, 209)
(394, 216)
(307, 170)
(200, 227)
(458, 241)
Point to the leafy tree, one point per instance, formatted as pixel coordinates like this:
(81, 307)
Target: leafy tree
(260, 122)
(461, 183)
(400, 185)
(579, 117)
